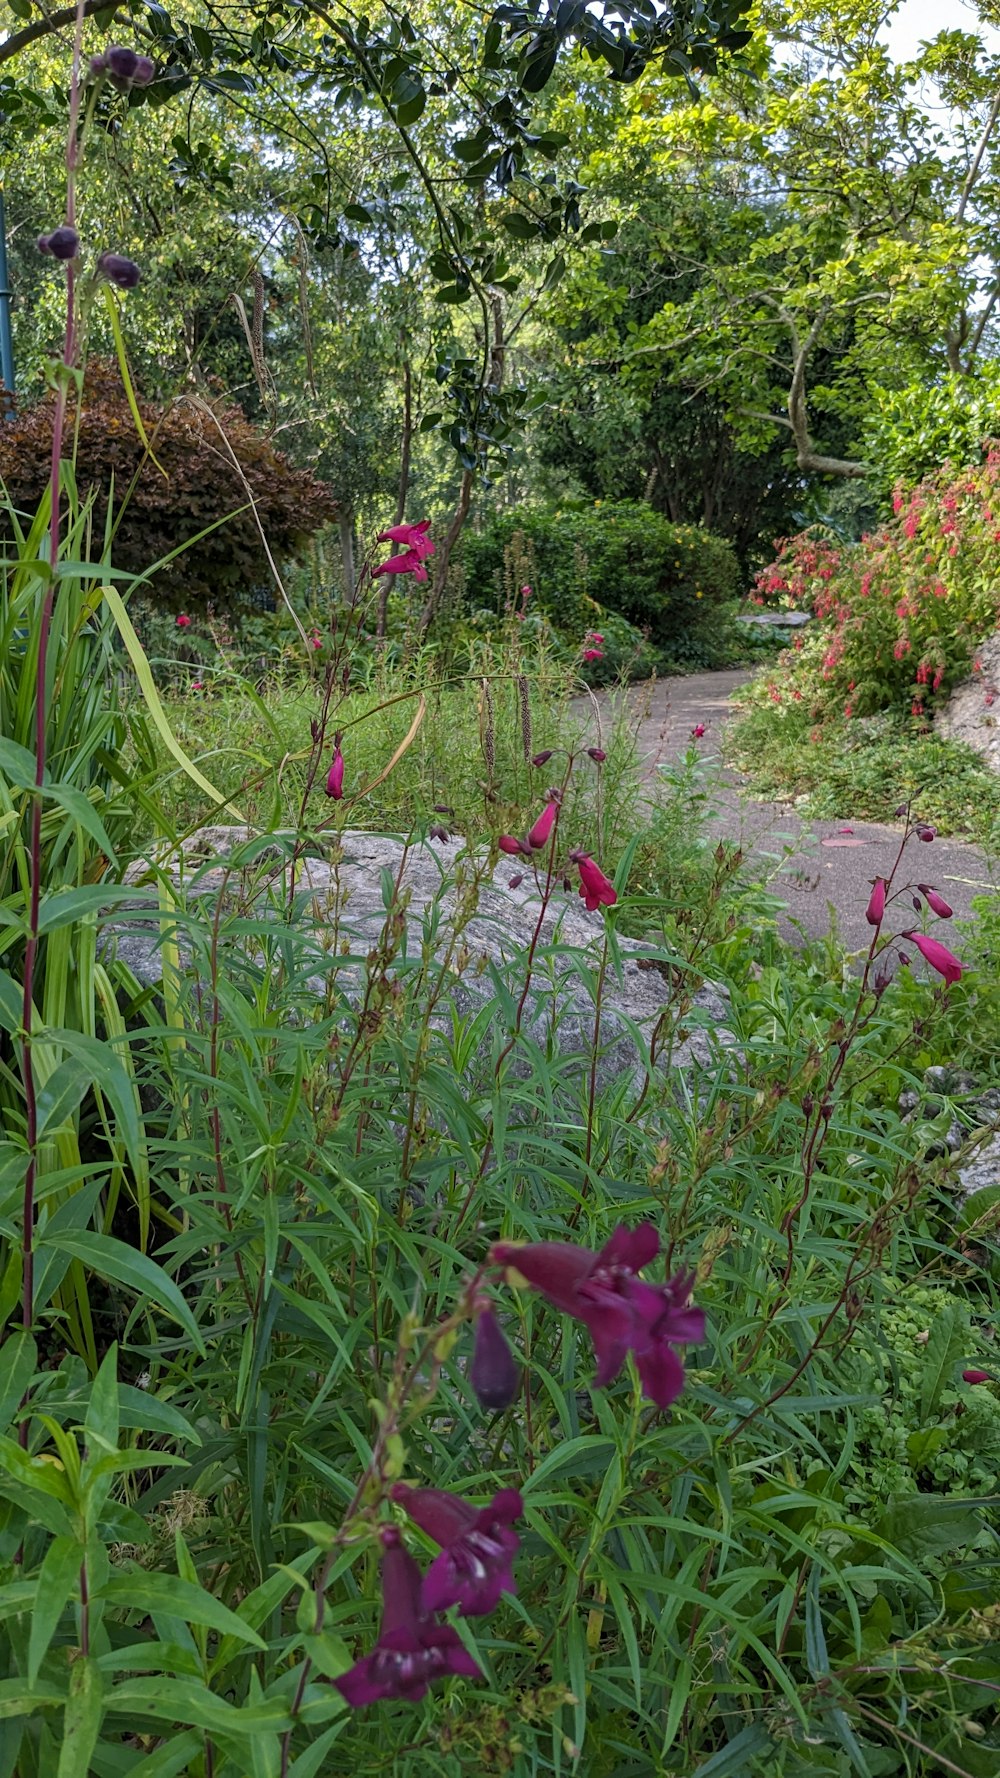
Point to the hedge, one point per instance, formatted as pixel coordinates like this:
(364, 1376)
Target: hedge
(666, 579)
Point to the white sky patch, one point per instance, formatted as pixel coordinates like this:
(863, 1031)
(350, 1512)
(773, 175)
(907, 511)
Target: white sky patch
(919, 21)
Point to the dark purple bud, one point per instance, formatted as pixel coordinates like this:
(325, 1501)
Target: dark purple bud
(916, 902)
(123, 272)
(597, 754)
(122, 63)
(542, 759)
(494, 1372)
(926, 833)
(98, 66)
(807, 1103)
(62, 243)
(904, 959)
(443, 809)
(439, 833)
(515, 882)
(144, 71)
(902, 810)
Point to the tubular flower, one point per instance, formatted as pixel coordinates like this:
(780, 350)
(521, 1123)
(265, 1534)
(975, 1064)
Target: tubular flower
(977, 1377)
(596, 889)
(408, 563)
(935, 902)
(876, 903)
(477, 1547)
(697, 731)
(513, 848)
(412, 1650)
(335, 776)
(937, 955)
(621, 1312)
(494, 1372)
(539, 835)
(183, 621)
(413, 538)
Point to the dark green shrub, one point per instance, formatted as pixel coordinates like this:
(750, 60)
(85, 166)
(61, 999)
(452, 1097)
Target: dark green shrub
(666, 579)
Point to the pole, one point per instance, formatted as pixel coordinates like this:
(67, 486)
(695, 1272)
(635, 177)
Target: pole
(6, 341)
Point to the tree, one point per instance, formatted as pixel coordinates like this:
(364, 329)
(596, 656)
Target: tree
(856, 242)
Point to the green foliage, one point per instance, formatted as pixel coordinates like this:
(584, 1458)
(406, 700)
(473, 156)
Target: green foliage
(913, 431)
(667, 580)
(863, 768)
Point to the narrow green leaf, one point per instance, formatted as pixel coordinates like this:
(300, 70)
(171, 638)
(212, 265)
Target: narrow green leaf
(732, 1761)
(61, 1095)
(17, 1367)
(58, 1578)
(113, 1259)
(944, 1348)
(139, 1591)
(82, 1720)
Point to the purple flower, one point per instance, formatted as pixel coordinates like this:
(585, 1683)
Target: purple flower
(621, 1312)
(494, 1372)
(62, 243)
(119, 270)
(335, 776)
(125, 68)
(412, 1650)
(477, 1547)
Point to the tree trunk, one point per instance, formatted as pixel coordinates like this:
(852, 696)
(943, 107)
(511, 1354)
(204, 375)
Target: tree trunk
(345, 525)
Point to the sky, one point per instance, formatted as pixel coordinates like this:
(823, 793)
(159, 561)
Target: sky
(919, 20)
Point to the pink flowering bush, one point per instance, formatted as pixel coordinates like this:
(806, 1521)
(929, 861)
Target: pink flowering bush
(900, 614)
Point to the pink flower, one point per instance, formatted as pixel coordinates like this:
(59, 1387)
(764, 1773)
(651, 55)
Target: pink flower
(414, 539)
(412, 1650)
(593, 654)
(697, 731)
(876, 903)
(935, 902)
(183, 621)
(316, 639)
(937, 955)
(513, 848)
(335, 776)
(621, 1312)
(477, 1547)
(976, 1377)
(197, 685)
(595, 887)
(411, 562)
(539, 835)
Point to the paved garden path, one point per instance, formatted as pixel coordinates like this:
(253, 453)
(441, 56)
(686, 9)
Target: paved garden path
(821, 883)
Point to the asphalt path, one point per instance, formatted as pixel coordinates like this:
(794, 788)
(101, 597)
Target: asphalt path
(823, 870)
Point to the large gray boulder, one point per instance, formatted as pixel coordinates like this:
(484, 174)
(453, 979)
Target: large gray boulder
(442, 885)
(972, 713)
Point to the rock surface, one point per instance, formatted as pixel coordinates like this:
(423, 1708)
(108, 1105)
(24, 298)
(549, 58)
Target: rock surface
(438, 877)
(972, 713)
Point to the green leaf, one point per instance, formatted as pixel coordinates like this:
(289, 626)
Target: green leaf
(58, 1578)
(113, 1259)
(17, 765)
(82, 810)
(167, 1593)
(17, 1367)
(61, 1095)
(732, 1761)
(946, 1345)
(82, 1719)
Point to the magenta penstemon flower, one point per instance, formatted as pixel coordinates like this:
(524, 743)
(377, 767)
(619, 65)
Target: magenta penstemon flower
(875, 910)
(183, 621)
(620, 1310)
(937, 955)
(416, 546)
(697, 731)
(477, 1547)
(412, 1650)
(596, 889)
(335, 776)
(935, 902)
(540, 833)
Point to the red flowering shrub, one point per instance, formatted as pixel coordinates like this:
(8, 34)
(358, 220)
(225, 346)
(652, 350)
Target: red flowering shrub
(195, 486)
(900, 613)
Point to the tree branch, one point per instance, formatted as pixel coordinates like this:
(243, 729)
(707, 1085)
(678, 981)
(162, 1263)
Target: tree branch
(45, 26)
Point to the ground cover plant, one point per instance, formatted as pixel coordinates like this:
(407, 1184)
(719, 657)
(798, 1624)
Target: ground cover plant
(415, 1356)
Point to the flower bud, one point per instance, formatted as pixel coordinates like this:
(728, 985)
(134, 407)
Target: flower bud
(62, 243)
(439, 833)
(975, 1376)
(510, 845)
(876, 903)
(515, 882)
(127, 69)
(597, 754)
(335, 776)
(98, 66)
(926, 833)
(936, 902)
(542, 759)
(901, 810)
(119, 270)
(494, 1373)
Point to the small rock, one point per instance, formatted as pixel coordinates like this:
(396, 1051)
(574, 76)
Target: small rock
(982, 1170)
